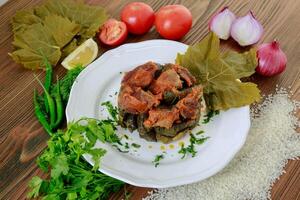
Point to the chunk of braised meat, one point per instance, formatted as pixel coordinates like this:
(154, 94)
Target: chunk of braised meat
(141, 76)
(135, 100)
(189, 105)
(185, 75)
(168, 80)
(162, 117)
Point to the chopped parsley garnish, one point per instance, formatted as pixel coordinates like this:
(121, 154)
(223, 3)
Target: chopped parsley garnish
(210, 115)
(200, 132)
(157, 159)
(113, 110)
(126, 137)
(135, 145)
(190, 149)
(126, 145)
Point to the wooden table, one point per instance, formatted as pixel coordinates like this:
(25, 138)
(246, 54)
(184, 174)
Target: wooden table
(22, 138)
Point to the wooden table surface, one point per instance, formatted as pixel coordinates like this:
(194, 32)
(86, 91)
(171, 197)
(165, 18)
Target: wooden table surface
(22, 138)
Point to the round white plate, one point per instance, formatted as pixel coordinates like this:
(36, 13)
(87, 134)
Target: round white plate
(100, 81)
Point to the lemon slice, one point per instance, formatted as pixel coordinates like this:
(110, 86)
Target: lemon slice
(83, 55)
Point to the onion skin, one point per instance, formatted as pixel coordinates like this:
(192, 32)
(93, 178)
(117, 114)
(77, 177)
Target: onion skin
(221, 22)
(271, 59)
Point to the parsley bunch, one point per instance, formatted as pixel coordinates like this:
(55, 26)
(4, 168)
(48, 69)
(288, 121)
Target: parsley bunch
(71, 177)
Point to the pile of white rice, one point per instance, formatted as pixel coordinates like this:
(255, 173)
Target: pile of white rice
(272, 140)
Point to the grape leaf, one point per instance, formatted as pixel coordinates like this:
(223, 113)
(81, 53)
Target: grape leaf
(31, 44)
(23, 19)
(62, 29)
(54, 29)
(43, 39)
(218, 73)
(243, 64)
(89, 17)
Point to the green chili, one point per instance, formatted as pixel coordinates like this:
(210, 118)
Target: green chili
(39, 114)
(48, 80)
(59, 107)
(50, 103)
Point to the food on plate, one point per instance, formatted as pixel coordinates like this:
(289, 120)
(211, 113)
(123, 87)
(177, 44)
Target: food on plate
(271, 59)
(173, 21)
(83, 55)
(160, 101)
(113, 32)
(138, 16)
(53, 30)
(246, 30)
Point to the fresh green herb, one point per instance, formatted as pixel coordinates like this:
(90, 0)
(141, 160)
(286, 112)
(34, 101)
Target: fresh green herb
(218, 73)
(120, 150)
(71, 177)
(194, 140)
(126, 137)
(210, 115)
(190, 149)
(157, 159)
(126, 145)
(66, 83)
(113, 110)
(136, 145)
(200, 132)
(55, 28)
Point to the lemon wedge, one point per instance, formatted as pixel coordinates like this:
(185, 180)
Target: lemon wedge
(82, 55)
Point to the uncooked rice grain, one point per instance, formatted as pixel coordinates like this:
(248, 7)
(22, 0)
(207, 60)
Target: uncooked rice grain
(272, 140)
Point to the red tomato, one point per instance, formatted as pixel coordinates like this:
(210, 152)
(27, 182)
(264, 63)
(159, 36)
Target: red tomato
(113, 32)
(138, 16)
(173, 21)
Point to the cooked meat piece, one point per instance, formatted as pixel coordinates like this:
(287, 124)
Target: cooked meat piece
(129, 103)
(167, 80)
(141, 76)
(185, 75)
(189, 105)
(136, 100)
(162, 117)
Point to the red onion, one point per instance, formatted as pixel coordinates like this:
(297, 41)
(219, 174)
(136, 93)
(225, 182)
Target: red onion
(271, 59)
(221, 22)
(246, 30)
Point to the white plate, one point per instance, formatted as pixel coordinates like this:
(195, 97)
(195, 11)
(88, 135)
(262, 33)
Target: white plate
(99, 82)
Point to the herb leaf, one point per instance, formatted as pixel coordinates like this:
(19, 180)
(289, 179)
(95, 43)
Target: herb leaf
(71, 176)
(157, 159)
(219, 72)
(190, 149)
(135, 145)
(113, 110)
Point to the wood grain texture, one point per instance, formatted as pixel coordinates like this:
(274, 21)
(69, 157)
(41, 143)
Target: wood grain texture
(22, 139)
